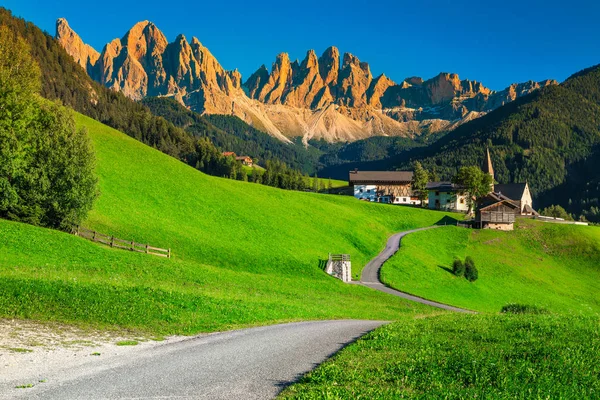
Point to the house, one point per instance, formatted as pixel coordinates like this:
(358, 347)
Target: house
(394, 187)
(246, 160)
(496, 211)
(446, 196)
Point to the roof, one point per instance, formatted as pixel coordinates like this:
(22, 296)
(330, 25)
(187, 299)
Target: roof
(443, 186)
(228, 153)
(530, 210)
(380, 176)
(513, 191)
(243, 157)
(494, 198)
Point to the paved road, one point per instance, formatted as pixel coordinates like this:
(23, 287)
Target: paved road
(251, 363)
(370, 274)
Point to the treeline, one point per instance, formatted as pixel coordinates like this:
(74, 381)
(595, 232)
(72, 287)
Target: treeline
(229, 133)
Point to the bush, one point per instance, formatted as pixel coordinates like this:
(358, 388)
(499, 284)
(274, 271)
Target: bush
(470, 270)
(458, 267)
(515, 308)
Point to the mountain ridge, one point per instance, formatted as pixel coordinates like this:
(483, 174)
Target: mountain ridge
(333, 97)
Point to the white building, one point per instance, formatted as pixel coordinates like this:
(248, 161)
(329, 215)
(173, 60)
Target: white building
(446, 196)
(392, 187)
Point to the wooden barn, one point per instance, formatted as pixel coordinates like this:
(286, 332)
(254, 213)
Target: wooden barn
(496, 212)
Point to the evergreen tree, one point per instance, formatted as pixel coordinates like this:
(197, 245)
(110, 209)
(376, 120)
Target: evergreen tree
(419, 183)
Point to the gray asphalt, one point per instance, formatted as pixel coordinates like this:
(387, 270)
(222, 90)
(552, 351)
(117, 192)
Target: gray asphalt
(255, 363)
(370, 276)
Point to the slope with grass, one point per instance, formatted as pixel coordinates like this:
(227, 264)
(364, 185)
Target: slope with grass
(555, 267)
(465, 357)
(244, 254)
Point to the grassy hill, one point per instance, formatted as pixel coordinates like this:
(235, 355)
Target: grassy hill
(244, 254)
(555, 267)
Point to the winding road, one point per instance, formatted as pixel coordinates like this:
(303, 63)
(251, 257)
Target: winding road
(255, 363)
(370, 276)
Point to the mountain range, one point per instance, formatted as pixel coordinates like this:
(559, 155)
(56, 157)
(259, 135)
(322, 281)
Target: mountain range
(332, 97)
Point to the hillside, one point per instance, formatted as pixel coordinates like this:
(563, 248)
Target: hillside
(244, 254)
(555, 267)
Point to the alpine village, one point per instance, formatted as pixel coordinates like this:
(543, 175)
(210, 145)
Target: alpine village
(235, 223)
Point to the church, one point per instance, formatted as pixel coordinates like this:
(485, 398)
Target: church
(499, 208)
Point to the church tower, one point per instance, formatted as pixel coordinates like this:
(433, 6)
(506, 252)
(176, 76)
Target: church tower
(487, 164)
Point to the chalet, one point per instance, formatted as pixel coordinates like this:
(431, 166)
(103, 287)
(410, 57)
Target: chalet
(496, 211)
(394, 187)
(446, 196)
(245, 160)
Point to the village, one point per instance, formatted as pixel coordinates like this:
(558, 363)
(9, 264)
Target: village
(496, 209)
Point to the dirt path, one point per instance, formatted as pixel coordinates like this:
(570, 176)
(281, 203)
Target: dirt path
(370, 274)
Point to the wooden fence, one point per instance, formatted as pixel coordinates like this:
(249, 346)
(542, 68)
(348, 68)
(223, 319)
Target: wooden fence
(122, 244)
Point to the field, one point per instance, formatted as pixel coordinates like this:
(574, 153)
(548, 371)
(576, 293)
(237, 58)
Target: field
(323, 182)
(466, 357)
(555, 267)
(243, 254)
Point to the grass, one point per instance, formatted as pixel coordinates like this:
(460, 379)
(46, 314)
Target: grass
(550, 266)
(19, 350)
(459, 356)
(127, 343)
(243, 254)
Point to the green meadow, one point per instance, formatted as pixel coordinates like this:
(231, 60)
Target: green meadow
(465, 357)
(551, 266)
(243, 254)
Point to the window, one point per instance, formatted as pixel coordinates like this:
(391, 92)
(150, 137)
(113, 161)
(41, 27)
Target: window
(447, 200)
(462, 200)
(437, 193)
(404, 199)
(361, 190)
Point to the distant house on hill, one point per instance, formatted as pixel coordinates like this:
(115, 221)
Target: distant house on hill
(246, 160)
(446, 196)
(393, 187)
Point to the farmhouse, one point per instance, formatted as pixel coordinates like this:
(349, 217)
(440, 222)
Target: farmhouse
(394, 187)
(446, 196)
(246, 160)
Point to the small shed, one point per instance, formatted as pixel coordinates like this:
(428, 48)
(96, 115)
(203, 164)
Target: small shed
(496, 212)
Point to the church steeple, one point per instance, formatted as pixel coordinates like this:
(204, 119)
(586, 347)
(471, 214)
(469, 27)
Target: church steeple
(487, 164)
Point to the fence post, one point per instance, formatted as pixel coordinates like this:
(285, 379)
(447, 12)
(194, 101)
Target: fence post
(94, 236)
(169, 253)
(132, 245)
(146, 249)
(112, 241)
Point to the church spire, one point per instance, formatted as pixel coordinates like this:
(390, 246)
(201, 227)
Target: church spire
(487, 165)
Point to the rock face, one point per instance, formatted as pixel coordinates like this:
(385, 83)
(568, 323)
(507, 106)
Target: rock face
(316, 98)
(83, 54)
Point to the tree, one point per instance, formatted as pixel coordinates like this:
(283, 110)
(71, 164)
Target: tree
(471, 272)
(419, 183)
(316, 183)
(458, 267)
(474, 182)
(556, 211)
(46, 164)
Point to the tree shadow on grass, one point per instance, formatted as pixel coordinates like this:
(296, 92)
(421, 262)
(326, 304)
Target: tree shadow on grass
(446, 269)
(447, 220)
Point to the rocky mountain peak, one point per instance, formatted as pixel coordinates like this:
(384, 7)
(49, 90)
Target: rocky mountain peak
(84, 54)
(329, 66)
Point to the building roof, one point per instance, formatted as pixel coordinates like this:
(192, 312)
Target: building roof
(243, 158)
(228, 153)
(492, 199)
(513, 191)
(380, 176)
(443, 186)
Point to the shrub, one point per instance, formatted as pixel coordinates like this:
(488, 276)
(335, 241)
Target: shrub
(458, 267)
(515, 308)
(470, 270)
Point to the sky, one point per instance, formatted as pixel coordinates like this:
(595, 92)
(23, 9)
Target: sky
(496, 43)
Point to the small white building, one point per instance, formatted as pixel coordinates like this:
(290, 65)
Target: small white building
(446, 196)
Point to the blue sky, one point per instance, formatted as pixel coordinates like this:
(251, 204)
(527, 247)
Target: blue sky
(509, 41)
